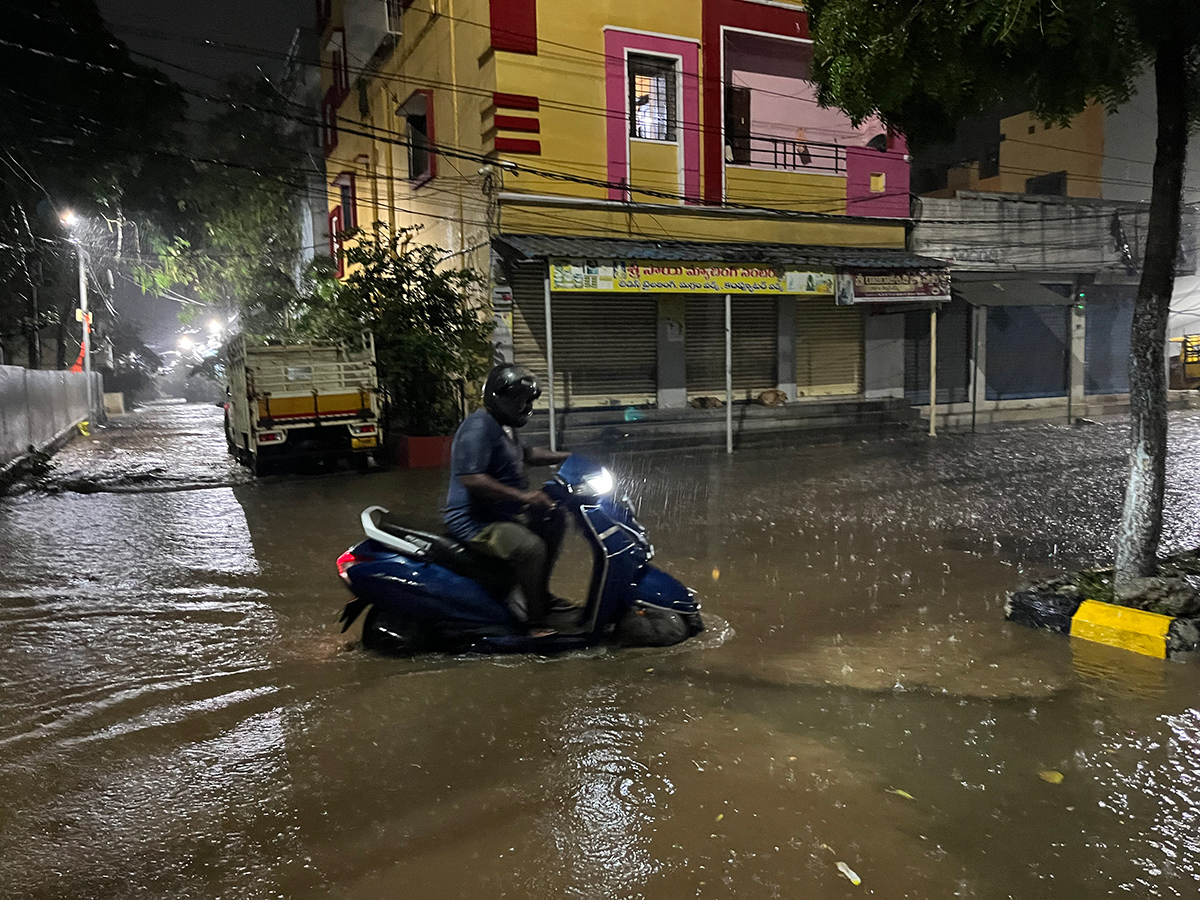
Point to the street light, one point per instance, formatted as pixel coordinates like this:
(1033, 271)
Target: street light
(70, 219)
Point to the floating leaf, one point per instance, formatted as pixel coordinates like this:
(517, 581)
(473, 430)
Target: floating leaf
(849, 873)
(1051, 777)
(899, 793)
(720, 816)
(716, 574)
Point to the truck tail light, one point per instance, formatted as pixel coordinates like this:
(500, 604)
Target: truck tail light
(271, 437)
(360, 430)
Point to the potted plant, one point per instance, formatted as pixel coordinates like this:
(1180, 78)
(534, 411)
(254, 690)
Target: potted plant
(432, 334)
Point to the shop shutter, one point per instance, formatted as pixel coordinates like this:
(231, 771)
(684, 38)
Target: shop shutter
(829, 348)
(605, 345)
(954, 354)
(606, 349)
(1109, 318)
(1027, 352)
(754, 346)
(529, 322)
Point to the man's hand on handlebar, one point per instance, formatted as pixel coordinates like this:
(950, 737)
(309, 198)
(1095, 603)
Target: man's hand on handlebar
(540, 456)
(538, 500)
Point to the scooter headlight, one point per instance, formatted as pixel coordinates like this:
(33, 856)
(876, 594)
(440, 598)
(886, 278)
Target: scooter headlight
(600, 483)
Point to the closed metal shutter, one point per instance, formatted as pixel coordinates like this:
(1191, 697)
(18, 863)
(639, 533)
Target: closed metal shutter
(529, 323)
(953, 354)
(754, 346)
(829, 348)
(605, 345)
(1109, 319)
(606, 349)
(1027, 352)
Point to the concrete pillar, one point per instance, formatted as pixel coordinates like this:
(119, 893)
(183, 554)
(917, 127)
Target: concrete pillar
(883, 355)
(786, 379)
(979, 368)
(1078, 350)
(672, 352)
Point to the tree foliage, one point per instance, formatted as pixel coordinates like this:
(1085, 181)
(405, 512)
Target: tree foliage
(232, 243)
(924, 66)
(431, 336)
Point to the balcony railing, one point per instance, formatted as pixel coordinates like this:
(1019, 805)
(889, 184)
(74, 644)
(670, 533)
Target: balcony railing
(786, 154)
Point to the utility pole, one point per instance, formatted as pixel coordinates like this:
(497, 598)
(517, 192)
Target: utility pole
(86, 318)
(34, 336)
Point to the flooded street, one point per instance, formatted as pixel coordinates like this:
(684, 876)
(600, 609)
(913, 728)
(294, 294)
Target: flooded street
(179, 716)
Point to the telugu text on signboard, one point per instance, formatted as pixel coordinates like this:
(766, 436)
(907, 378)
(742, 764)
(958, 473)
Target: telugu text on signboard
(624, 276)
(891, 287)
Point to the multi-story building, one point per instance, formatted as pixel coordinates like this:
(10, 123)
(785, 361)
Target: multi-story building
(1043, 227)
(625, 173)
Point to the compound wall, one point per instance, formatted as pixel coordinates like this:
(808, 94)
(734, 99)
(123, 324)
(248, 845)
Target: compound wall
(37, 406)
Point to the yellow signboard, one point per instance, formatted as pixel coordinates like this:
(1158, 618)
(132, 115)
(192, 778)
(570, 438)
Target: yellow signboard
(627, 276)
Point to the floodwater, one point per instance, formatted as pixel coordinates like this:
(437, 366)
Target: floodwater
(180, 718)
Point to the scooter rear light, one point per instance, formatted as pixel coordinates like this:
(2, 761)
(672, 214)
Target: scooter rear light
(344, 562)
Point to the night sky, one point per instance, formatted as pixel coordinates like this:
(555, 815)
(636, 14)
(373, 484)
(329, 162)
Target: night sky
(176, 31)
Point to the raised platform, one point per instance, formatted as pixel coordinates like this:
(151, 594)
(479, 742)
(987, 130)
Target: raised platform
(752, 424)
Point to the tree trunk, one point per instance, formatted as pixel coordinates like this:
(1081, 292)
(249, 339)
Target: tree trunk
(1141, 517)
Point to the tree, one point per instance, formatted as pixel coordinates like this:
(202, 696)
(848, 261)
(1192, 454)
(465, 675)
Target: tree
(431, 335)
(80, 127)
(923, 66)
(233, 241)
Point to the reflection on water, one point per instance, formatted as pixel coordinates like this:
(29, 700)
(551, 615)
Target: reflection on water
(179, 716)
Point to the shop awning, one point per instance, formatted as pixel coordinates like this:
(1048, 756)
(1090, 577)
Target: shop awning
(548, 246)
(1008, 292)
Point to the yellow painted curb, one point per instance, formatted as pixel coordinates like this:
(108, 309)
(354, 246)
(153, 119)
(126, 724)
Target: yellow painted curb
(1119, 626)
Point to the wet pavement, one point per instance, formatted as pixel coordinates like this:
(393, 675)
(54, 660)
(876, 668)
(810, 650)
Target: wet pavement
(180, 718)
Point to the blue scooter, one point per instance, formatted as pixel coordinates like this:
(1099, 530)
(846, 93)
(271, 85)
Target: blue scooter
(427, 592)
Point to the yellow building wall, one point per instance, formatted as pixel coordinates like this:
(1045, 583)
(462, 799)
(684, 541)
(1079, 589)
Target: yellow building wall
(439, 51)
(568, 77)
(1029, 148)
(655, 166)
(664, 222)
(785, 190)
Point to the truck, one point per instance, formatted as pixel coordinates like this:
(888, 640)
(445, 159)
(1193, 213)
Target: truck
(294, 402)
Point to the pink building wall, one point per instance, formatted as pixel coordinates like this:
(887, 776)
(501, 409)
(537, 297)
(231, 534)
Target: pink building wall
(616, 44)
(893, 164)
(780, 106)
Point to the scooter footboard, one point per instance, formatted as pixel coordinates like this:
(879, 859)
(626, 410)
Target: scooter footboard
(657, 588)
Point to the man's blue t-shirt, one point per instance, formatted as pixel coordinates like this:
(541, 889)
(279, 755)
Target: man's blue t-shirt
(482, 446)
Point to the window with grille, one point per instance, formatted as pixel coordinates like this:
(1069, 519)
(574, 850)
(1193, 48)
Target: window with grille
(348, 197)
(395, 15)
(418, 130)
(652, 90)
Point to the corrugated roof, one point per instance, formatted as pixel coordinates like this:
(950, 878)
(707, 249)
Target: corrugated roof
(1008, 292)
(544, 246)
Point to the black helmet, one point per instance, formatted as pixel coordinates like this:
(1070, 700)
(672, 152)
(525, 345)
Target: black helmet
(509, 393)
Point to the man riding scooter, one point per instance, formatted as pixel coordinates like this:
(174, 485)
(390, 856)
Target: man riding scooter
(489, 505)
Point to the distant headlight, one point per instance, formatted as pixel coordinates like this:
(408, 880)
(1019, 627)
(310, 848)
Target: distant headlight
(601, 482)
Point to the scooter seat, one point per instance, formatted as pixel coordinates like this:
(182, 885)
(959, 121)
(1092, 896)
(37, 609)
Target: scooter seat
(451, 553)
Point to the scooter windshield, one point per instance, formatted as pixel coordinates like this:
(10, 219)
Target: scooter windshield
(579, 470)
